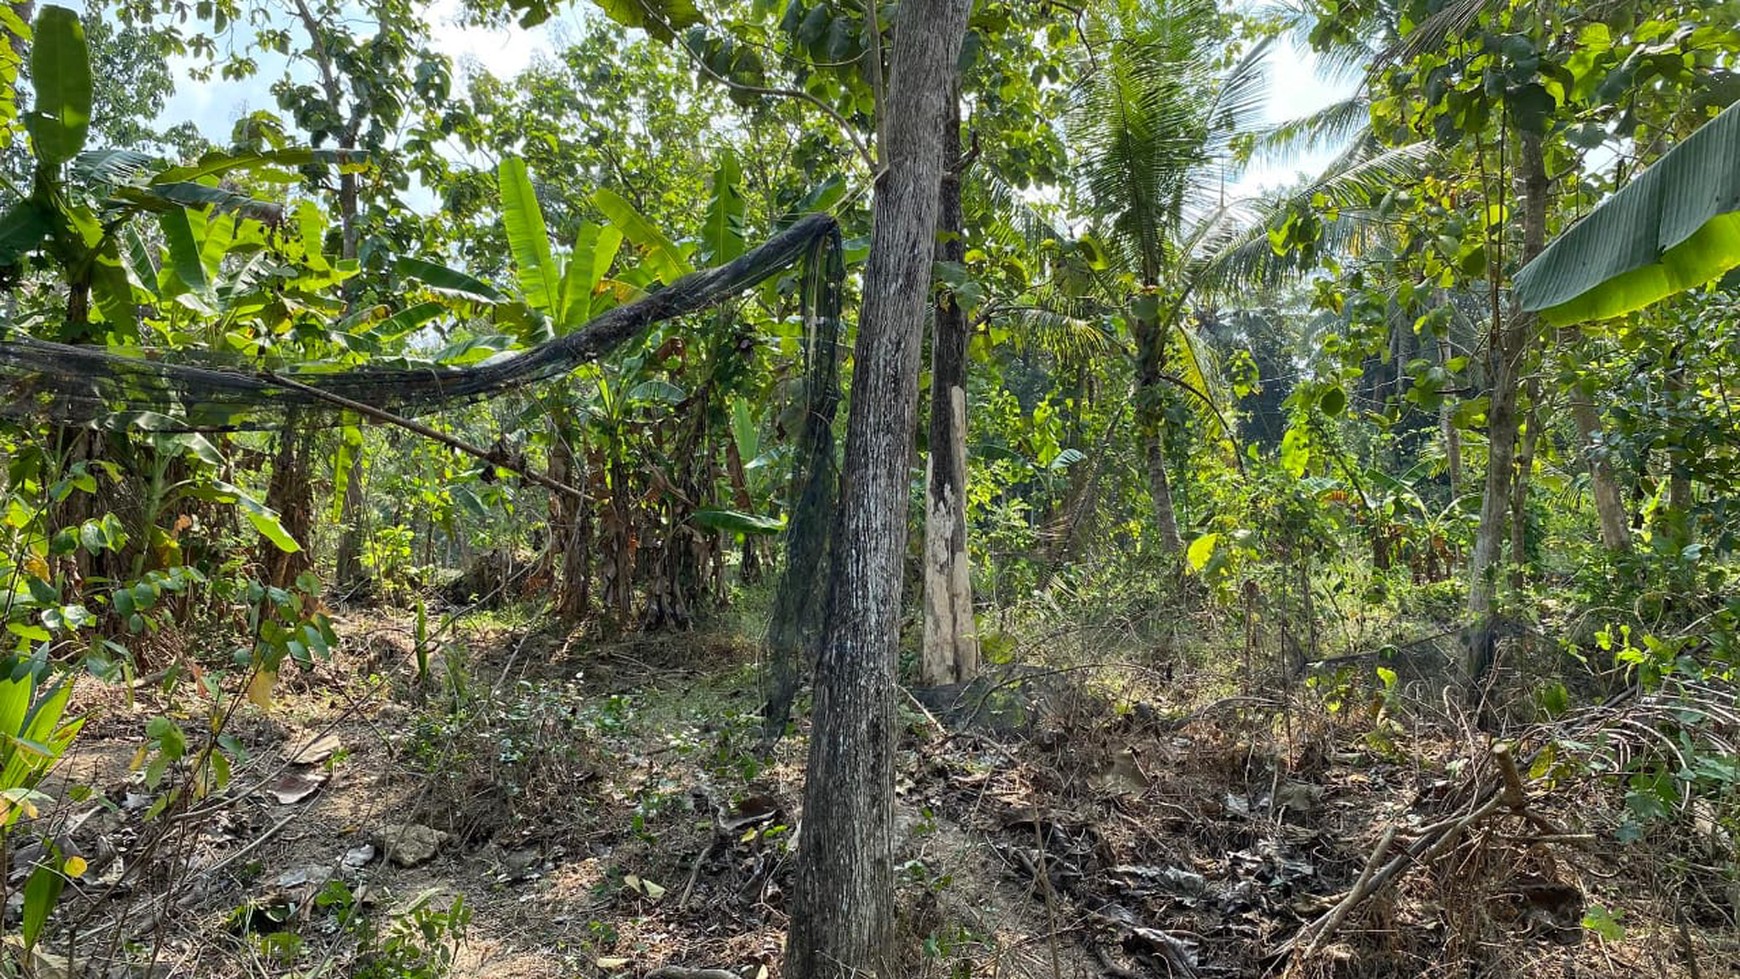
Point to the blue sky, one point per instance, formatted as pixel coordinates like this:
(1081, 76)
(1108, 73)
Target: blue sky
(215, 106)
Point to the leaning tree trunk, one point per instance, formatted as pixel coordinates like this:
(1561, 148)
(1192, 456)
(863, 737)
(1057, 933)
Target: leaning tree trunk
(951, 641)
(1505, 353)
(842, 920)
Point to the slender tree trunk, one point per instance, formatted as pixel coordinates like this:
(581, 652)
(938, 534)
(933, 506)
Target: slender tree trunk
(1519, 488)
(1610, 508)
(951, 641)
(289, 494)
(350, 543)
(1447, 425)
(1505, 351)
(843, 916)
(1609, 502)
(349, 565)
(1151, 424)
(569, 529)
(1679, 515)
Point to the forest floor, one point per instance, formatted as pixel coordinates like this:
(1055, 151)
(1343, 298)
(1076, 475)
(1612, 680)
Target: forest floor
(607, 809)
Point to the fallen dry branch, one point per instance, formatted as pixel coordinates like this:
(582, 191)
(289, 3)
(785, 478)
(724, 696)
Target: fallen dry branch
(1433, 841)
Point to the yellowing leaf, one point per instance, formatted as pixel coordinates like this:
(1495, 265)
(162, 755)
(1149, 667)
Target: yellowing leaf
(260, 689)
(1201, 549)
(76, 866)
(653, 890)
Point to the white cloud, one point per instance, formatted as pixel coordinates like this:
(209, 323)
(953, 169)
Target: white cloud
(1296, 89)
(503, 52)
(214, 106)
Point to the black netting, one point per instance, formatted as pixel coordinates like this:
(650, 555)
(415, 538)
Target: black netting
(800, 602)
(88, 385)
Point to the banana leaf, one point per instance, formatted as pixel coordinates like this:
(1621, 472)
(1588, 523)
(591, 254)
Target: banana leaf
(1675, 227)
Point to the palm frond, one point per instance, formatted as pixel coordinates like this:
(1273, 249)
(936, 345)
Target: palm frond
(1071, 329)
(1336, 124)
(1240, 97)
(1437, 31)
(1241, 257)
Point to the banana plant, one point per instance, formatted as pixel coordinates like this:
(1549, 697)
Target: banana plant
(81, 203)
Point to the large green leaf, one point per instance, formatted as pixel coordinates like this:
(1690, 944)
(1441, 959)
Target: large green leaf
(41, 891)
(737, 522)
(213, 164)
(660, 18)
(184, 255)
(536, 267)
(22, 228)
(112, 166)
(594, 250)
(448, 282)
(112, 289)
(264, 518)
(722, 235)
(407, 320)
(1675, 227)
(60, 71)
(662, 255)
(165, 197)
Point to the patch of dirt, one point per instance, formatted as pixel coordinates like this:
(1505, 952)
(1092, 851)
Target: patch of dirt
(609, 808)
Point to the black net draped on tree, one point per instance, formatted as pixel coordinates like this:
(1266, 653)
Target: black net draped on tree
(183, 392)
(101, 388)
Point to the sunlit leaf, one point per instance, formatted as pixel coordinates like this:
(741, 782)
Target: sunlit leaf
(1676, 226)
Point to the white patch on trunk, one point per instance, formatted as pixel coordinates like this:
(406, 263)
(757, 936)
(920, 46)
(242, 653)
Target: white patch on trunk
(951, 640)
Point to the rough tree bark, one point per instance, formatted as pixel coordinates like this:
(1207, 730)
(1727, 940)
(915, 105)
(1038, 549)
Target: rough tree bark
(570, 528)
(951, 640)
(842, 916)
(1505, 353)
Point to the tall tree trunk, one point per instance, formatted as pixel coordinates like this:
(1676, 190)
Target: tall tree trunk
(1447, 425)
(289, 494)
(1505, 351)
(351, 531)
(569, 528)
(1609, 502)
(842, 920)
(1519, 487)
(951, 641)
(1679, 515)
(1151, 427)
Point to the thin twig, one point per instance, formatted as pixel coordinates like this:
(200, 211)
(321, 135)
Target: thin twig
(252, 845)
(1339, 912)
(411, 425)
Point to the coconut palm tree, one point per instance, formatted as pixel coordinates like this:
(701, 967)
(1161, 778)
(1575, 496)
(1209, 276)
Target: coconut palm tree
(1158, 113)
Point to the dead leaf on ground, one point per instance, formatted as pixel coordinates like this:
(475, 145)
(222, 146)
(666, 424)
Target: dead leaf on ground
(293, 787)
(317, 750)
